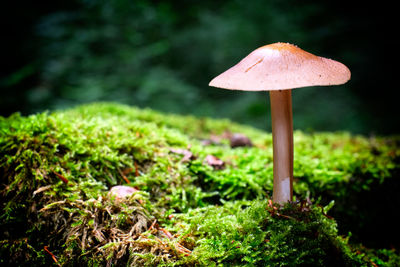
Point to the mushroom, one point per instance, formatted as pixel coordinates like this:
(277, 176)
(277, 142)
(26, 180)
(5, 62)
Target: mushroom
(121, 191)
(278, 68)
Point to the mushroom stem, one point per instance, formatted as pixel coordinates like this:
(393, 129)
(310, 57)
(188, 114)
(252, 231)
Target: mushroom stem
(282, 136)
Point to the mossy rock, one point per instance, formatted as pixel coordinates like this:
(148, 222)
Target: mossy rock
(199, 199)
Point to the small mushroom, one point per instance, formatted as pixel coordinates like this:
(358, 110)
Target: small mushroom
(278, 68)
(122, 191)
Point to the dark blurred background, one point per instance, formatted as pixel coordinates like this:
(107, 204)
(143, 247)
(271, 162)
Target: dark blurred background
(162, 54)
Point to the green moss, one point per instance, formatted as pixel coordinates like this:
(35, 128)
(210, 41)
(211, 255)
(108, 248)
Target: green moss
(56, 169)
(263, 235)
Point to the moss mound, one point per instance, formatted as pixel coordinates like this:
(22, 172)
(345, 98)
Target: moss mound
(200, 198)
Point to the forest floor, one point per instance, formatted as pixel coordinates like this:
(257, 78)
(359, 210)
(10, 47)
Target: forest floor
(199, 193)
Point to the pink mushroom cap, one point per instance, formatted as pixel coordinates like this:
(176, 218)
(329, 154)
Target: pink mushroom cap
(122, 191)
(281, 66)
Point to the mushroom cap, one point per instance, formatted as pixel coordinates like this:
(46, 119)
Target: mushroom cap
(121, 191)
(281, 66)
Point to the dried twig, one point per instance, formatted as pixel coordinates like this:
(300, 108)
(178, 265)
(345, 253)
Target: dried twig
(62, 178)
(123, 176)
(46, 248)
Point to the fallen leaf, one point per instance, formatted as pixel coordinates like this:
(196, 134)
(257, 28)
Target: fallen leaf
(215, 162)
(239, 140)
(187, 155)
(213, 140)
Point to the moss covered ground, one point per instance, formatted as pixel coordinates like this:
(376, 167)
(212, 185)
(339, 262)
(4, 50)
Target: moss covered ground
(202, 193)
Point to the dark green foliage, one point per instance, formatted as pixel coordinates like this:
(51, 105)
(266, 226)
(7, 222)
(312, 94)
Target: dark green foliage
(20, 253)
(163, 54)
(56, 169)
(382, 257)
